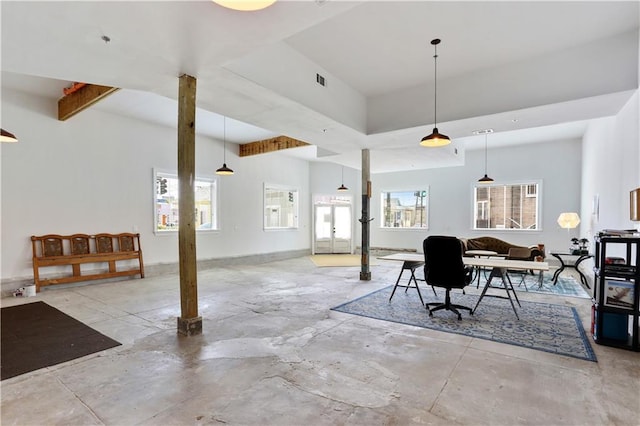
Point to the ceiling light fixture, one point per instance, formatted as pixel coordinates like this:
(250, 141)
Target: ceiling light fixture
(224, 170)
(485, 178)
(7, 136)
(245, 5)
(342, 188)
(435, 138)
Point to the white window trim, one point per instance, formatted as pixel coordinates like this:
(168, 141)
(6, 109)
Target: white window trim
(279, 187)
(391, 228)
(174, 174)
(514, 182)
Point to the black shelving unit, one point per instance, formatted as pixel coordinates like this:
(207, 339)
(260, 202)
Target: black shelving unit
(616, 291)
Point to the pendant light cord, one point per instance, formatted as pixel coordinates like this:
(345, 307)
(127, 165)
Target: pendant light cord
(224, 140)
(435, 83)
(485, 154)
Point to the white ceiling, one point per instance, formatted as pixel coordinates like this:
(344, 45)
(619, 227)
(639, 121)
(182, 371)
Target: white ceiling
(259, 68)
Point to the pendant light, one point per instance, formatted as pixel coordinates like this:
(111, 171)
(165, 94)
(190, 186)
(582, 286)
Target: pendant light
(342, 188)
(245, 5)
(435, 139)
(224, 170)
(485, 178)
(7, 136)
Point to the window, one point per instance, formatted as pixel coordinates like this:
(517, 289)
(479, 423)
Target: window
(404, 209)
(511, 206)
(166, 203)
(280, 207)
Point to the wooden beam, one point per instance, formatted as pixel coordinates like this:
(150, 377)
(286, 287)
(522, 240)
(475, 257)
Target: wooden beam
(269, 145)
(83, 98)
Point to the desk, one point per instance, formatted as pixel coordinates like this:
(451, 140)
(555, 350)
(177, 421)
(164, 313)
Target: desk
(580, 258)
(481, 253)
(498, 270)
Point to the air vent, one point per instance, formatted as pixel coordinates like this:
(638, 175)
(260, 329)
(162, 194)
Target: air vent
(320, 80)
(482, 132)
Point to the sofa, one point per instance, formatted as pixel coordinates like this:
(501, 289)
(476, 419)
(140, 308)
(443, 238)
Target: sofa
(501, 247)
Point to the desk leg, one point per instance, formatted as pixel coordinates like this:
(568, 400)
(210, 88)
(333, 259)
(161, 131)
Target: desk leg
(410, 266)
(540, 279)
(397, 281)
(499, 273)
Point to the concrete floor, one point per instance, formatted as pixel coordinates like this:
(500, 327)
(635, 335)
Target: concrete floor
(272, 353)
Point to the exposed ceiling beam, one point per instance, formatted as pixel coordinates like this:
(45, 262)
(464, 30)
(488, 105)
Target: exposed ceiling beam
(83, 98)
(270, 145)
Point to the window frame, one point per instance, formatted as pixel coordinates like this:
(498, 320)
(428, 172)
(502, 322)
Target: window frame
(214, 216)
(426, 198)
(296, 206)
(526, 194)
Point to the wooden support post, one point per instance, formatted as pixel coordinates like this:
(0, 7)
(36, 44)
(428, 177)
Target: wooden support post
(365, 273)
(189, 323)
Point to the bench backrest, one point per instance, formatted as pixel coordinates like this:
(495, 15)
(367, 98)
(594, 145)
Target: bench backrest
(78, 244)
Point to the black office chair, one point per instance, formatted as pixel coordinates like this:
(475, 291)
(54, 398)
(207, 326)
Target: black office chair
(443, 267)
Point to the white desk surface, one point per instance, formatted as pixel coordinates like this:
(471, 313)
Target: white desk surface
(404, 257)
(475, 261)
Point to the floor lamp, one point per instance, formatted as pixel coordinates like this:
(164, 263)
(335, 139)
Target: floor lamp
(569, 220)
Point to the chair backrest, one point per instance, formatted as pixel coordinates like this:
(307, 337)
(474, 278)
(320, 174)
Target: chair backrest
(519, 253)
(443, 265)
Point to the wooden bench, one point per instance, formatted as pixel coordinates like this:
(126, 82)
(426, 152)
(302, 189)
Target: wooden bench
(74, 250)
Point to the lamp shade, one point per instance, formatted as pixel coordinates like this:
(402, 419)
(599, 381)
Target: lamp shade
(435, 139)
(245, 5)
(224, 170)
(7, 136)
(568, 220)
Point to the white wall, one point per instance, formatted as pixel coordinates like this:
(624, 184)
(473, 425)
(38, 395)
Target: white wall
(94, 173)
(555, 164)
(611, 148)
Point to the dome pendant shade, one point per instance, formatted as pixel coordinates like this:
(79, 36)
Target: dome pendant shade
(224, 170)
(7, 136)
(435, 139)
(245, 5)
(485, 178)
(342, 188)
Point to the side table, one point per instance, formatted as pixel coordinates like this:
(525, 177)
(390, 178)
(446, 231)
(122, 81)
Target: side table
(568, 256)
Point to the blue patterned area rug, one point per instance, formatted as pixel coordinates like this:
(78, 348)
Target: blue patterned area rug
(565, 286)
(542, 326)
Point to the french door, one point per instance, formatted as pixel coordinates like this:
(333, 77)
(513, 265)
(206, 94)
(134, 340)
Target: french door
(332, 228)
